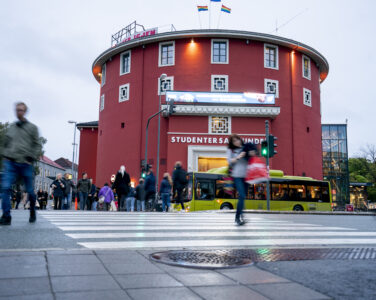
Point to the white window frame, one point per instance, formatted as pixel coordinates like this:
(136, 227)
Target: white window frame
(121, 62)
(266, 80)
(101, 103)
(276, 56)
(304, 94)
(160, 54)
(229, 125)
(103, 78)
(219, 76)
(128, 90)
(227, 51)
(171, 78)
(309, 67)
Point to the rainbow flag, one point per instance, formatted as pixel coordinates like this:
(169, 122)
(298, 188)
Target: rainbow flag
(202, 8)
(226, 9)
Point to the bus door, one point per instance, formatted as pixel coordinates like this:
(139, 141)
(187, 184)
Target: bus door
(204, 193)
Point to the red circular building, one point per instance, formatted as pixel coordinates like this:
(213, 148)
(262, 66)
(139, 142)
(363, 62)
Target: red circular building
(221, 64)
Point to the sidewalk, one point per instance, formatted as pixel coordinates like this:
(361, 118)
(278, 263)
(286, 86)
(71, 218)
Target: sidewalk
(85, 274)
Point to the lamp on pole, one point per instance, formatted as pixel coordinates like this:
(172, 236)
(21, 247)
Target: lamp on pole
(74, 147)
(163, 76)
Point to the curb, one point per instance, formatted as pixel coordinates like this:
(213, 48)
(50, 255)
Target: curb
(277, 212)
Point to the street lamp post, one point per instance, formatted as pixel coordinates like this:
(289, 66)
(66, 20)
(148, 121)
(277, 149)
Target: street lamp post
(74, 147)
(163, 76)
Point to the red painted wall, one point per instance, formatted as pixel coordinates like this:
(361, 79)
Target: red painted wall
(298, 127)
(88, 153)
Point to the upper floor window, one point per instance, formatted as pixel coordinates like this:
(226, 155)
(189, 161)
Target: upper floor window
(219, 53)
(103, 81)
(125, 63)
(219, 125)
(270, 56)
(219, 83)
(124, 92)
(307, 97)
(167, 54)
(166, 84)
(101, 104)
(271, 87)
(306, 67)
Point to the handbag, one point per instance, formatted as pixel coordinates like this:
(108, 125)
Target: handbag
(113, 206)
(256, 171)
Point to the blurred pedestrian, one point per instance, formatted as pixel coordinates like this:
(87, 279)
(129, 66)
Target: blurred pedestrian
(83, 188)
(150, 188)
(108, 196)
(58, 191)
(40, 196)
(179, 180)
(165, 191)
(68, 191)
(130, 199)
(21, 147)
(140, 195)
(121, 185)
(91, 195)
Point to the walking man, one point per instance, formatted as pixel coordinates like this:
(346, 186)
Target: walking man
(121, 185)
(21, 149)
(179, 179)
(150, 188)
(68, 191)
(83, 188)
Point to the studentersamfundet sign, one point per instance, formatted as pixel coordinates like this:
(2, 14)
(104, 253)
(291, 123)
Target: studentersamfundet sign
(218, 98)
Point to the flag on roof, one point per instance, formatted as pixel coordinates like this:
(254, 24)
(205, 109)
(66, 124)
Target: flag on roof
(202, 8)
(226, 9)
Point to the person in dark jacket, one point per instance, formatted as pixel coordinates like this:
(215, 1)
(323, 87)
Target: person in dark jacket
(179, 179)
(83, 188)
(59, 190)
(21, 147)
(165, 191)
(91, 195)
(40, 196)
(68, 191)
(150, 187)
(131, 199)
(121, 185)
(140, 195)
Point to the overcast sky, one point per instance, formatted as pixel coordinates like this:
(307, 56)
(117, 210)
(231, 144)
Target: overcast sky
(47, 49)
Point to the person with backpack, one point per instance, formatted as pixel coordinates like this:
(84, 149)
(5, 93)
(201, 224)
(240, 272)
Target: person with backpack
(140, 195)
(165, 191)
(106, 195)
(179, 178)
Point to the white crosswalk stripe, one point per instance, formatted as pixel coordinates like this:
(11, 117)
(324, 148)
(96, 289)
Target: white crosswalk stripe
(106, 230)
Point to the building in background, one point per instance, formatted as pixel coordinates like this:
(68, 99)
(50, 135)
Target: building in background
(336, 162)
(359, 196)
(216, 73)
(67, 165)
(47, 173)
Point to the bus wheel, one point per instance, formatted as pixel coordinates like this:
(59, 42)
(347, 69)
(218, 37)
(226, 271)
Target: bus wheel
(226, 206)
(298, 208)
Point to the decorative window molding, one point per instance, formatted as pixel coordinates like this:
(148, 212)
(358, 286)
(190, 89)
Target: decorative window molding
(307, 97)
(306, 67)
(166, 54)
(219, 124)
(125, 62)
(271, 60)
(101, 104)
(166, 84)
(271, 87)
(103, 78)
(124, 92)
(219, 83)
(219, 51)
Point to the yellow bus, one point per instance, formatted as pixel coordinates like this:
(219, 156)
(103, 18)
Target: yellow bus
(213, 190)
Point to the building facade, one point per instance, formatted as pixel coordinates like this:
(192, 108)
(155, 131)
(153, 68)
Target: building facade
(336, 162)
(208, 61)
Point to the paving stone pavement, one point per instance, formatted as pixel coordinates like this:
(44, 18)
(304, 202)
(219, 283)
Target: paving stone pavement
(129, 274)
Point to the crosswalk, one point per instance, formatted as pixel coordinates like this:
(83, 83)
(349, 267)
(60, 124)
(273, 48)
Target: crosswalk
(121, 230)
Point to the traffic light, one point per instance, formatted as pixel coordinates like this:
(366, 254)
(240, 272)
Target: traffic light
(171, 107)
(272, 145)
(264, 148)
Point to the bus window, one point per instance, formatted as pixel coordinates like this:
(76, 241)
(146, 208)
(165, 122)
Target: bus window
(187, 192)
(251, 192)
(205, 189)
(280, 191)
(325, 193)
(225, 189)
(260, 191)
(314, 193)
(297, 192)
